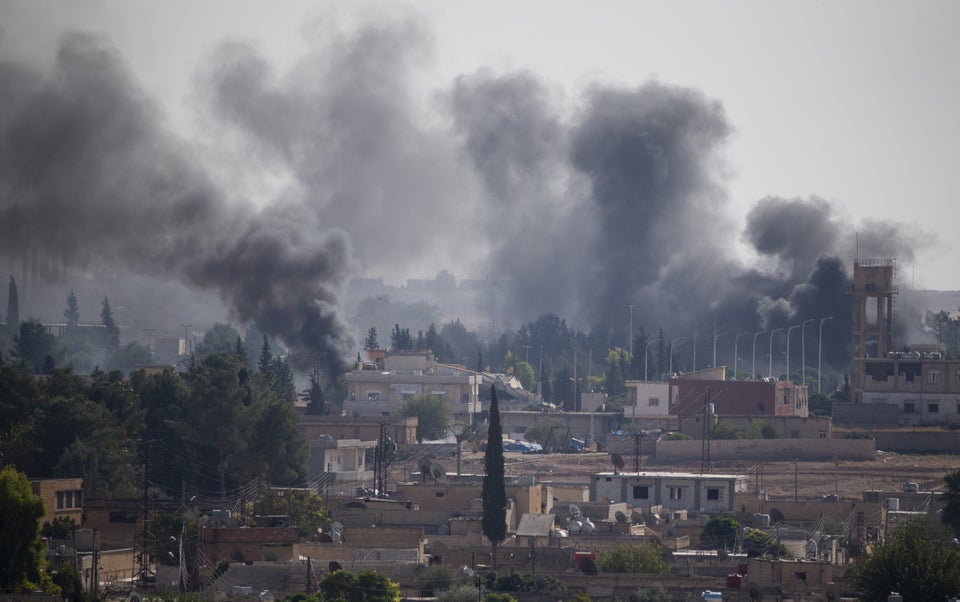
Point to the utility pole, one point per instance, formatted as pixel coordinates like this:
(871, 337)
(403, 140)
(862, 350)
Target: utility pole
(770, 351)
(705, 449)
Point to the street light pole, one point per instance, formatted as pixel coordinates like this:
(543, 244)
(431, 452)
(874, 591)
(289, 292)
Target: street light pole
(770, 352)
(672, 343)
(803, 350)
(753, 368)
(646, 355)
(788, 349)
(716, 335)
(820, 351)
(736, 342)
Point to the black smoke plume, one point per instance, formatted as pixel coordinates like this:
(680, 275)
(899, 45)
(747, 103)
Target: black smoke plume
(87, 176)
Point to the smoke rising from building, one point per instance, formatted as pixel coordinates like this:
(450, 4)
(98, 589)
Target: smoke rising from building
(580, 205)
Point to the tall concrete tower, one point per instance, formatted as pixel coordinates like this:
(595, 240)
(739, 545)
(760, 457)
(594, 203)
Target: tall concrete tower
(873, 293)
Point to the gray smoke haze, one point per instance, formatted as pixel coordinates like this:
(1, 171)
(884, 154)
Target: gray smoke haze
(88, 177)
(579, 205)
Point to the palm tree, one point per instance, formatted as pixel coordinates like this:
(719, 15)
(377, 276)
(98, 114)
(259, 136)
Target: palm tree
(951, 501)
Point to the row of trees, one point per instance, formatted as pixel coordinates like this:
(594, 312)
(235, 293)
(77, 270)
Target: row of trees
(213, 427)
(545, 353)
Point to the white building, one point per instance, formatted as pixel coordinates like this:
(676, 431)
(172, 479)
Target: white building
(671, 490)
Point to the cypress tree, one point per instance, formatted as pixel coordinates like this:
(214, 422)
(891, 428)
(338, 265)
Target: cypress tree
(72, 312)
(494, 523)
(13, 309)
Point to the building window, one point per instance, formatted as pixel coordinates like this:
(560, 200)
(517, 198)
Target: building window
(60, 505)
(933, 376)
(908, 407)
(713, 494)
(822, 434)
(794, 434)
(373, 396)
(464, 398)
(676, 493)
(641, 492)
(933, 408)
(958, 377)
(440, 494)
(654, 401)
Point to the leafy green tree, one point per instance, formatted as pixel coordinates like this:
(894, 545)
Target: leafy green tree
(615, 375)
(305, 508)
(726, 430)
(316, 399)
(266, 357)
(720, 533)
(434, 342)
(125, 359)
(371, 342)
(950, 516)
(459, 342)
(219, 338)
(757, 542)
(494, 491)
(433, 415)
(214, 422)
(458, 593)
(654, 593)
(400, 338)
(21, 549)
(365, 586)
(917, 560)
(13, 309)
(278, 447)
(111, 331)
(644, 558)
(72, 313)
(33, 346)
(437, 578)
(552, 434)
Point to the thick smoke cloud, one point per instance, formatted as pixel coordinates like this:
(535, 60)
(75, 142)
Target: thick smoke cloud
(578, 205)
(88, 177)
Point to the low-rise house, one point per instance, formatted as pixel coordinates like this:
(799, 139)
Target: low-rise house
(381, 387)
(709, 493)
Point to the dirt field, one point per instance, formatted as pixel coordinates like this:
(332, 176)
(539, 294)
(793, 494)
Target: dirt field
(812, 479)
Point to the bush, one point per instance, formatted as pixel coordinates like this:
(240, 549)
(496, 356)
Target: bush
(436, 578)
(644, 558)
(458, 593)
(676, 437)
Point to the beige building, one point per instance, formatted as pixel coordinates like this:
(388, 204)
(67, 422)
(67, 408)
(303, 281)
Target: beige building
(62, 498)
(671, 490)
(380, 388)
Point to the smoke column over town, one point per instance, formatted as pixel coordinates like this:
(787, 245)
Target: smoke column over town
(579, 203)
(88, 178)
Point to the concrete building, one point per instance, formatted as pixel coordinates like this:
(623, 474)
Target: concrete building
(62, 498)
(649, 402)
(340, 460)
(690, 393)
(670, 490)
(380, 387)
(921, 385)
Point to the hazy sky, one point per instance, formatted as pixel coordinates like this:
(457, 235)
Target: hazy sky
(854, 102)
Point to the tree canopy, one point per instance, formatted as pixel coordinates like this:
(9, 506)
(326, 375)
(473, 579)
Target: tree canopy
(433, 415)
(918, 560)
(644, 558)
(21, 548)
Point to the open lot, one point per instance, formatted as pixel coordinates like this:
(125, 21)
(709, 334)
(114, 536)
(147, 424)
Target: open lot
(811, 479)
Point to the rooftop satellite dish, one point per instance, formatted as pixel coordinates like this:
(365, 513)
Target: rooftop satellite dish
(575, 511)
(636, 518)
(620, 516)
(618, 462)
(586, 526)
(574, 527)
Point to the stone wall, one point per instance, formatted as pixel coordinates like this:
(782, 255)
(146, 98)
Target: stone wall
(767, 449)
